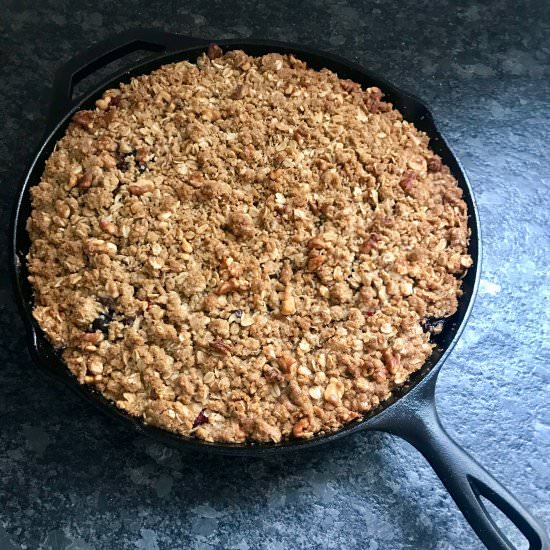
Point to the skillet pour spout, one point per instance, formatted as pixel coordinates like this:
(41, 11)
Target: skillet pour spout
(410, 413)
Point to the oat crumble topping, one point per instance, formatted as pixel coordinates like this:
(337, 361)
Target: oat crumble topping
(245, 249)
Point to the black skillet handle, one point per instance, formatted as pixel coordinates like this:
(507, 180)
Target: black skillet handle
(415, 419)
(99, 55)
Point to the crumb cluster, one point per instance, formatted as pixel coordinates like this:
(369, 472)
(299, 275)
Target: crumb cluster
(244, 249)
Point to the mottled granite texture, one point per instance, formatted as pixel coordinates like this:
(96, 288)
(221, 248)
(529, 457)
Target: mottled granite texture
(70, 479)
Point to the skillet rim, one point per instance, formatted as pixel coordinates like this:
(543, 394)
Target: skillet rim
(410, 106)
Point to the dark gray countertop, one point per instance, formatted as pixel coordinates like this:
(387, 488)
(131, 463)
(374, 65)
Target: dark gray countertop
(70, 479)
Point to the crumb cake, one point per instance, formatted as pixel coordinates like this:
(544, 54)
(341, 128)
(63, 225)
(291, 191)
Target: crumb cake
(244, 249)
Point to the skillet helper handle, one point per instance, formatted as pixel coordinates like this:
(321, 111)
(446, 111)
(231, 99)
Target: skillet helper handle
(463, 477)
(105, 52)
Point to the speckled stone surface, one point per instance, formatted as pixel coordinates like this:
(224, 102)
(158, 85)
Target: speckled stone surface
(70, 479)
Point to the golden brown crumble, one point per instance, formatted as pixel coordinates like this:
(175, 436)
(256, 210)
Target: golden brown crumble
(244, 249)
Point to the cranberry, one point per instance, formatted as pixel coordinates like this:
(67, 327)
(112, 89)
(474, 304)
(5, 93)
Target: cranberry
(434, 325)
(214, 51)
(201, 419)
(102, 322)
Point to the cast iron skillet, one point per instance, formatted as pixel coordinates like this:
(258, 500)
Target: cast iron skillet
(411, 413)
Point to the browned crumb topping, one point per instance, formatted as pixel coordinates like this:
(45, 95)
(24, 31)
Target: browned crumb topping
(244, 249)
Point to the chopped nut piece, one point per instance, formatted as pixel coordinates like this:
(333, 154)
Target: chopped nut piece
(273, 374)
(434, 164)
(92, 337)
(466, 261)
(300, 136)
(238, 92)
(349, 85)
(228, 286)
(220, 346)
(301, 427)
(84, 118)
(107, 226)
(286, 361)
(211, 115)
(100, 246)
(86, 180)
(392, 361)
(286, 274)
(288, 304)
(141, 154)
(95, 367)
(370, 243)
(103, 104)
(316, 262)
(407, 181)
(63, 209)
(317, 243)
(72, 181)
(372, 99)
(141, 187)
(196, 179)
(334, 391)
